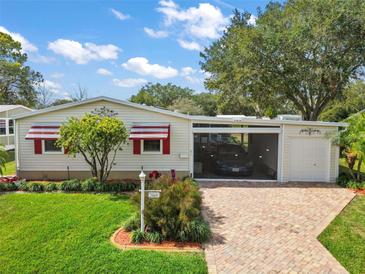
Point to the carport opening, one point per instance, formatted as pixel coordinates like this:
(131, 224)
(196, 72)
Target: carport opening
(236, 156)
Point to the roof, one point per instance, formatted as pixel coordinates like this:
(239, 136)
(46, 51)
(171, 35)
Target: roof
(194, 118)
(102, 98)
(10, 107)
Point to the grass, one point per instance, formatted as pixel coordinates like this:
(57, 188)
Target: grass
(69, 233)
(9, 168)
(345, 236)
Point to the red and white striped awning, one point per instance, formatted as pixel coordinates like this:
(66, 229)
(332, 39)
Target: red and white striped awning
(44, 131)
(150, 131)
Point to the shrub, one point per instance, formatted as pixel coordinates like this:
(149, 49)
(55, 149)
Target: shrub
(178, 205)
(23, 186)
(196, 231)
(88, 184)
(71, 185)
(100, 187)
(362, 185)
(154, 237)
(51, 187)
(133, 223)
(8, 187)
(137, 236)
(36, 187)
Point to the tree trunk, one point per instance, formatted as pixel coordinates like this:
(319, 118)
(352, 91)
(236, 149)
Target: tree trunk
(358, 175)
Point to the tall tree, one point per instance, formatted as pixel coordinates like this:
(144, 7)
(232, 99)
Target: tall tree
(18, 82)
(187, 106)
(160, 95)
(303, 52)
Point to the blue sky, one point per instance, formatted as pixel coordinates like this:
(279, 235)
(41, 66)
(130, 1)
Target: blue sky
(112, 48)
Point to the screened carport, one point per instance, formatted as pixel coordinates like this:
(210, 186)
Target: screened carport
(236, 152)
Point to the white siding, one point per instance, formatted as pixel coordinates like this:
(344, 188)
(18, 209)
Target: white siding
(293, 131)
(125, 161)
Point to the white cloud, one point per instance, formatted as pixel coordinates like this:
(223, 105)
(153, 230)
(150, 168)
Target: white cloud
(104, 72)
(57, 75)
(129, 82)
(205, 21)
(189, 45)
(252, 20)
(193, 80)
(119, 15)
(52, 86)
(26, 45)
(156, 33)
(142, 66)
(187, 71)
(168, 4)
(83, 53)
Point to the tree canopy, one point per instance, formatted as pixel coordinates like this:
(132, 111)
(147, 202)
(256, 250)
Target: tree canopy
(97, 137)
(298, 56)
(352, 101)
(18, 82)
(173, 97)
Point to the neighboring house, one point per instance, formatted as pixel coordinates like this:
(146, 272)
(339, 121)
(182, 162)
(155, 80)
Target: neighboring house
(225, 147)
(7, 123)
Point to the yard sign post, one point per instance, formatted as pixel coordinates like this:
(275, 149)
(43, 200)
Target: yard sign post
(142, 177)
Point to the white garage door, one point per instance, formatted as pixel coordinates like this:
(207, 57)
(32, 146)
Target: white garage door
(309, 159)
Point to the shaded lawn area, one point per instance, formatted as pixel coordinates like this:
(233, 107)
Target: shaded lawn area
(69, 233)
(345, 236)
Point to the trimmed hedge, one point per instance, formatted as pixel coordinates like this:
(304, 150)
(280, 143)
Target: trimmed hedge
(74, 185)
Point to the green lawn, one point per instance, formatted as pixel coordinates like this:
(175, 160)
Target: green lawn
(9, 168)
(69, 233)
(345, 236)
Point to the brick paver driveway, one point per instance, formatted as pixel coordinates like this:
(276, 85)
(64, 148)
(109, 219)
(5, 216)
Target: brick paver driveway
(270, 228)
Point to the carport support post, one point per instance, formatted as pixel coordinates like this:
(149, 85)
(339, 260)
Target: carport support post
(142, 177)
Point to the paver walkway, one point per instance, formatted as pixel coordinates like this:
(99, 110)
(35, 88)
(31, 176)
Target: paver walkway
(270, 227)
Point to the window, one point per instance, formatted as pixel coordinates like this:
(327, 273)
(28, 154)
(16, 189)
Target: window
(51, 148)
(2, 127)
(11, 126)
(151, 146)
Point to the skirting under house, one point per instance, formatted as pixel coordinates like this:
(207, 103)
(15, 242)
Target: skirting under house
(204, 147)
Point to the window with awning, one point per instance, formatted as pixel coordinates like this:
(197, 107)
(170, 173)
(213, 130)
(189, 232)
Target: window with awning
(41, 132)
(146, 135)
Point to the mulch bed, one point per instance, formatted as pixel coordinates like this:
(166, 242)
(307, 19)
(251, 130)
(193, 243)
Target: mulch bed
(359, 191)
(122, 240)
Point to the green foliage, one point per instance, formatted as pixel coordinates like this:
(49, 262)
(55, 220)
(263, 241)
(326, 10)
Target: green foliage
(195, 231)
(70, 185)
(161, 95)
(176, 214)
(137, 236)
(8, 187)
(154, 237)
(35, 187)
(18, 82)
(186, 106)
(176, 98)
(300, 54)
(50, 187)
(3, 159)
(89, 185)
(97, 138)
(352, 101)
(133, 223)
(352, 142)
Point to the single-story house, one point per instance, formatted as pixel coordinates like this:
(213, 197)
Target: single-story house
(7, 123)
(222, 147)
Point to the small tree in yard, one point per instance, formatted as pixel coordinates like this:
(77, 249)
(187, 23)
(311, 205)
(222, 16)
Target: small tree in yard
(97, 137)
(352, 140)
